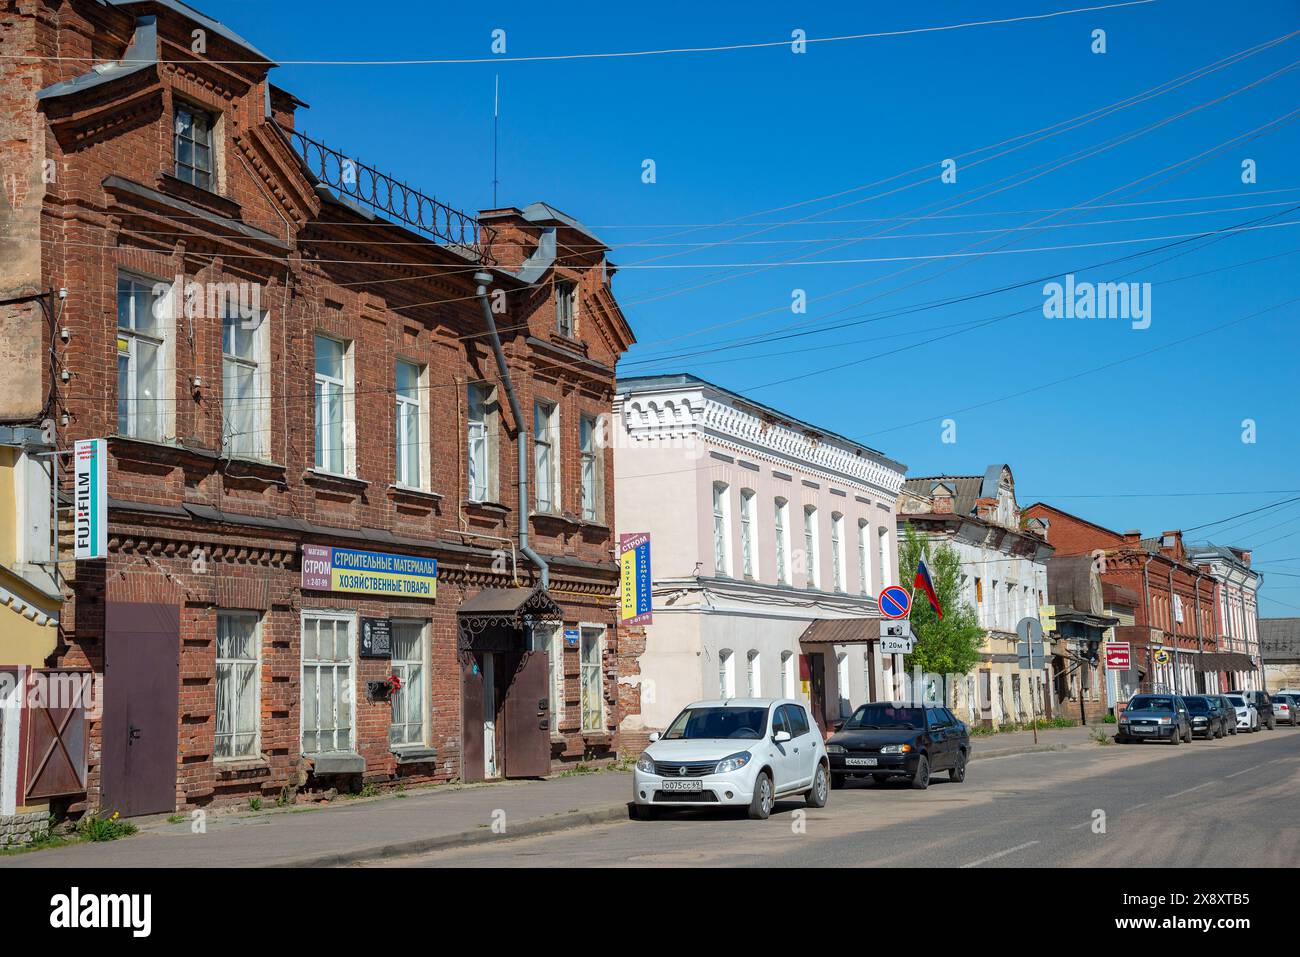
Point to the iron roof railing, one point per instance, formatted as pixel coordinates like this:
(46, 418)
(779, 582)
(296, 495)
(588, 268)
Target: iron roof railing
(392, 198)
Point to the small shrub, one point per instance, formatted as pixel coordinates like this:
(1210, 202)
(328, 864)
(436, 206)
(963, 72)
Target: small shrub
(255, 804)
(92, 827)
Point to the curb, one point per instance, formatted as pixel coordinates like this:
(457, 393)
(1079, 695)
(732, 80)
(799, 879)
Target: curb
(480, 835)
(1024, 749)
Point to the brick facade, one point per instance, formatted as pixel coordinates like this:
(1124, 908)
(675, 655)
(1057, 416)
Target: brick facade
(196, 526)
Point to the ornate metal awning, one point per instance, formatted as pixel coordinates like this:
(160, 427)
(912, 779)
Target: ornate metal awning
(503, 610)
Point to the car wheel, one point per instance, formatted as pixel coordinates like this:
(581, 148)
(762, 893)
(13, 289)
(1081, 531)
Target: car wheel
(958, 771)
(1177, 739)
(760, 808)
(921, 779)
(1272, 723)
(820, 790)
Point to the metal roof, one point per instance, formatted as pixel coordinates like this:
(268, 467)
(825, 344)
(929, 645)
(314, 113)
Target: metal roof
(841, 631)
(202, 19)
(1279, 638)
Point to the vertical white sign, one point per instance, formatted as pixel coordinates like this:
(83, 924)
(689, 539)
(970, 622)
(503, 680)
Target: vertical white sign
(90, 498)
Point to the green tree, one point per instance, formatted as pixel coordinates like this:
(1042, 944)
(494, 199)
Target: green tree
(948, 645)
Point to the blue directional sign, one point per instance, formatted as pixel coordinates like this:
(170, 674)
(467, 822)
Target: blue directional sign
(895, 602)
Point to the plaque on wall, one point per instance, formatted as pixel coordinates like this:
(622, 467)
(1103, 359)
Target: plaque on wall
(376, 638)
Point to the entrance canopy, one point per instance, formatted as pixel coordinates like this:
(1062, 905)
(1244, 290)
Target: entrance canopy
(841, 631)
(1222, 661)
(495, 618)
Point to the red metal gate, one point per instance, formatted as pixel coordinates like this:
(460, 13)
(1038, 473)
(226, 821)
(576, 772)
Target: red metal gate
(56, 749)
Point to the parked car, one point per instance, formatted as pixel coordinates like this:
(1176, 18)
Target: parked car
(1286, 708)
(740, 752)
(1262, 703)
(1207, 718)
(1226, 711)
(1155, 717)
(885, 739)
(1247, 716)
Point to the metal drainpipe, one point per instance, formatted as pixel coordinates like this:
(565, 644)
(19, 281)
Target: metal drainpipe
(484, 279)
(1173, 624)
(1146, 595)
(1200, 641)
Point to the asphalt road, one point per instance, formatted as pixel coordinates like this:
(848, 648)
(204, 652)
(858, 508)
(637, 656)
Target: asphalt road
(1232, 802)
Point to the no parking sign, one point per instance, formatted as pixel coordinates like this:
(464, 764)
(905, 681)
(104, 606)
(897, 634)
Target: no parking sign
(895, 602)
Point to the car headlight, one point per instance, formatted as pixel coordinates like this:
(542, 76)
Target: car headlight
(645, 763)
(835, 749)
(896, 749)
(732, 762)
(1164, 720)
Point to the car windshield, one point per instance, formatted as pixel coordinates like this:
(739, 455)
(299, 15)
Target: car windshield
(1198, 705)
(694, 723)
(885, 717)
(1282, 698)
(1236, 701)
(1151, 704)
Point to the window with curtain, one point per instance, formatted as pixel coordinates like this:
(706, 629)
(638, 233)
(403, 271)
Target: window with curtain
(478, 444)
(864, 568)
(837, 551)
(592, 644)
(810, 545)
(754, 674)
(327, 695)
(726, 674)
(721, 531)
(592, 486)
(410, 425)
(408, 702)
(193, 146)
(782, 546)
(748, 534)
(139, 360)
(238, 699)
(243, 425)
(330, 384)
(546, 456)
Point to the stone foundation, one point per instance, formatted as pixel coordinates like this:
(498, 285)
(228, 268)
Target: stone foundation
(17, 829)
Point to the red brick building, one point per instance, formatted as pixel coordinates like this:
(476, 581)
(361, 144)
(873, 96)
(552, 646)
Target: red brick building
(1173, 631)
(289, 354)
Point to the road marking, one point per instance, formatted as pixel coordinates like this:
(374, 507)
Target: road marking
(1136, 806)
(994, 857)
(1246, 771)
(1188, 790)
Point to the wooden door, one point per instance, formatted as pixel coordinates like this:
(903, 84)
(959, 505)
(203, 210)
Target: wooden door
(525, 715)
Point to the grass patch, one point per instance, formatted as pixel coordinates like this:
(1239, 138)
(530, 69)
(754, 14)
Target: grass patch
(92, 827)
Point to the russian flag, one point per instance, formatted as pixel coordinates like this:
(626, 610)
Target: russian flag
(926, 585)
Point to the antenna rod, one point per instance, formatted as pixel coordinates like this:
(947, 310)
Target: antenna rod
(496, 112)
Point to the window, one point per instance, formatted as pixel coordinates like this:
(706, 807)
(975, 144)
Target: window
(566, 307)
(480, 460)
(787, 674)
(546, 456)
(593, 472)
(327, 700)
(979, 591)
(842, 676)
(331, 409)
(782, 548)
(781, 721)
(721, 530)
(408, 702)
(593, 692)
(238, 705)
(194, 146)
(139, 360)
(748, 534)
(837, 551)
(726, 674)
(410, 425)
(864, 568)
(245, 404)
(882, 540)
(754, 674)
(548, 636)
(798, 719)
(810, 545)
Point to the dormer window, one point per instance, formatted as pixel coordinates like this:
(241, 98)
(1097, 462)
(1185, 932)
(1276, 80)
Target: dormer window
(566, 307)
(193, 146)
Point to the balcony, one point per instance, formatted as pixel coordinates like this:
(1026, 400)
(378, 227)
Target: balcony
(391, 198)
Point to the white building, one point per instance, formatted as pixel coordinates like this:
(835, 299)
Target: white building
(1237, 611)
(770, 540)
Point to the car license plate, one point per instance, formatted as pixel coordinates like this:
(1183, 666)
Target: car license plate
(860, 762)
(682, 785)
(1143, 730)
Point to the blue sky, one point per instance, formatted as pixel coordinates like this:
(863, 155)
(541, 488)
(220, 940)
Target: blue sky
(737, 135)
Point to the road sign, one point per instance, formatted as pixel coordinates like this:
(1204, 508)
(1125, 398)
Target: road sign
(1161, 657)
(1118, 656)
(1030, 647)
(895, 602)
(896, 638)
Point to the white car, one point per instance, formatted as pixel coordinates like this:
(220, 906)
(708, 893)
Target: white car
(738, 752)
(1247, 716)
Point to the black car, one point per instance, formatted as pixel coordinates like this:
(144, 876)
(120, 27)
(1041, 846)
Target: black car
(1207, 717)
(1263, 704)
(885, 740)
(1226, 711)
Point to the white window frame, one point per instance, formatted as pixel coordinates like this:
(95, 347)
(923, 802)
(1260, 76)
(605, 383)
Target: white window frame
(837, 552)
(864, 558)
(195, 172)
(882, 545)
(812, 546)
(781, 524)
(548, 636)
(726, 673)
(347, 430)
(546, 438)
(419, 406)
(478, 442)
(255, 752)
(566, 308)
(592, 464)
(333, 615)
(164, 369)
(842, 678)
(722, 529)
(584, 670)
(754, 673)
(787, 674)
(748, 534)
(260, 365)
(400, 668)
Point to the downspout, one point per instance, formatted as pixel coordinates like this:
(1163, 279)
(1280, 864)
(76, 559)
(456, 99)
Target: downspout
(1146, 596)
(1173, 625)
(484, 279)
(1200, 640)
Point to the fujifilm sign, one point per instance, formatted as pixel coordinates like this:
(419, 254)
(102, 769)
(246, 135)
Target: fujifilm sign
(90, 495)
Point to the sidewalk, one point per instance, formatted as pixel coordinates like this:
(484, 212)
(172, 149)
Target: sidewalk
(346, 831)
